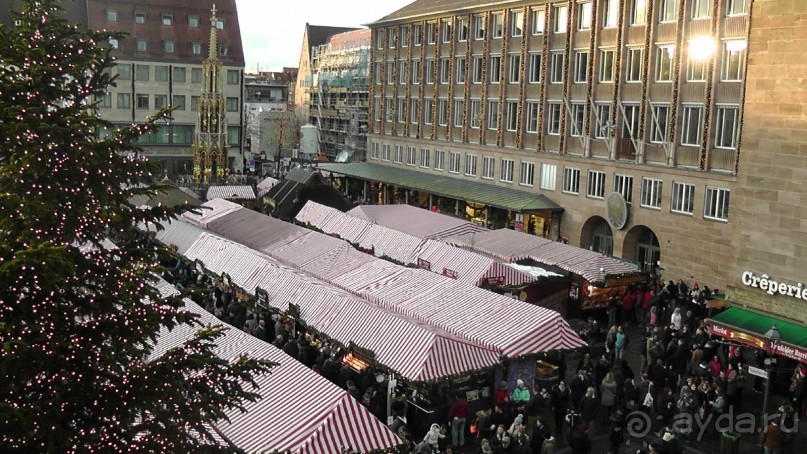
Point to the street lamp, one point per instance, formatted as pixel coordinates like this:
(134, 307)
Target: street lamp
(772, 339)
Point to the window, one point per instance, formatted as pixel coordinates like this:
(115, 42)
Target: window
(411, 156)
(140, 18)
(578, 114)
(424, 158)
(668, 10)
(462, 29)
(232, 77)
(497, 25)
(603, 128)
(549, 173)
(379, 40)
(538, 21)
(374, 150)
(633, 70)
(444, 70)
(414, 106)
(506, 170)
(726, 126)
(224, 50)
(607, 65)
(428, 111)
(511, 112)
(696, 70)
(390, 72)
(610, 13)
(664, 54)
(558, 63)
(193, 21)
(459, 111)
(401, 110)
(700, 9)
(430, 70)
(196, 48)
(533, 108)
(459, 69)
(691, 125)
(431, 33)
(405, 36)
(179, 74)
(494, 68)
(111, 15)
(476, 118)
(470, 165)
(124, 71)
(178, 102)
(651, 192)
(402, 72)
(105, 101)
(639, 12)
(479, 27)
(596, 184)
(392, 36)
(142, 72)
(416, 32)
(168, 46)
(142, 44)
(731, 68)
(553, 121)
(415, 72)
(439, 159)
(385, 152)
(194, 103)
(534, 72)
(476, 67)
(397, 158)
(113, 43)
(623, 184)
(232, 104)
(161, 73)
(142, 101)
(527, 175)
(571, 180)
(561, 18)
(160, 101)
(442, 112)
(488, 167)
(630, 122)
(717, 204)
(580, 67)
(514, 68)
(124, 101)
(516, 23)
(658, 125)
(168, 19)
(683, 196)
(389, 109)
(493, 115)
(196, 75)
(445, 31)
(584, 16)
(453, 162)
(737, 7)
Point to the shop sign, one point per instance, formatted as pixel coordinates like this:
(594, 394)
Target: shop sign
(789, 351)
(262, 297)
(757, 372)
(450, 273)
(772, 287)
(425, 264)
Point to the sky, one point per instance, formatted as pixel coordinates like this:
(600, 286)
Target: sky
(272, 30)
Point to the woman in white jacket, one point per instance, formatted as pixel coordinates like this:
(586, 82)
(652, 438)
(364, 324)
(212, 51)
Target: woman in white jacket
(676, 319)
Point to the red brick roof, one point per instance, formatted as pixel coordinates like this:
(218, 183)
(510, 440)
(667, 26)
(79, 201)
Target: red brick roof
(428, 7)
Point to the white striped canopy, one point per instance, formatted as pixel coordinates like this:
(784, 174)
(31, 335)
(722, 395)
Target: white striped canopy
(299, 411)
(415, 221)
(231, 192)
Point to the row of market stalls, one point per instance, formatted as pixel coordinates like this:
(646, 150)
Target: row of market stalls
(298, 412)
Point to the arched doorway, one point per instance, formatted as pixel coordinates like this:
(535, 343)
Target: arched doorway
(646, 247)
(597, 236)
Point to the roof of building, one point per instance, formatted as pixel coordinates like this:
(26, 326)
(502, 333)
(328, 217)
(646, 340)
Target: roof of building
(298, 187)
(415, 221)
(427, 7)
(349, 40)
(230, 193)
(319, 34)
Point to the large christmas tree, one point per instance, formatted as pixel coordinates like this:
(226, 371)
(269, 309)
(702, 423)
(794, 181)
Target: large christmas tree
(77, 319)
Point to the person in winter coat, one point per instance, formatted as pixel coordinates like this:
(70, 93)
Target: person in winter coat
(540, 433)
(677, 320)
(589, 406)
(620, 344)
(502, 397)
(616, 438)
(578, 388)
(432, 437)
(608, 391)
(772, 438)
(560, 404)
(457, 416)
(579, 441)
(521, 394)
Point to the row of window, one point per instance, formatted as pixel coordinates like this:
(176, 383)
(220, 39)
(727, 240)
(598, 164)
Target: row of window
(682, 197)
(178, 74)
(692, 115)
(170, 46)
(124, 101)
(732, 66)
(477, 29)
(165, 19)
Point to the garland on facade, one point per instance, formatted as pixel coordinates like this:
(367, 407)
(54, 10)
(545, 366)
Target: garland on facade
(467, 81)
(408, 86)
(648, 45)
(708, 99)
(435, 80)
(567, 45)
(544, 65)
(522, 79)
(451, 78)
(396, 33)
(383, 103)
(503, 79)
(483, 99)
(371, 82)
(742, 101)
(679, 45)
(594, 33)
(421, 85)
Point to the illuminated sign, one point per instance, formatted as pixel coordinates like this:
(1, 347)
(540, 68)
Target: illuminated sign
(772, 287)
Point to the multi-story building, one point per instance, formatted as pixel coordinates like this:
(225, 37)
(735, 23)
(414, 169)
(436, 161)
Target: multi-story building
(267, 100)
(669, 133)
(159, 65)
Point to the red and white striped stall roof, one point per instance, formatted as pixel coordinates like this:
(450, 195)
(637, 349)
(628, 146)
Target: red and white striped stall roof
(299, 411)
(429, 353)
(414, 221)
(265, 185)
(212, 210)
(241, 192)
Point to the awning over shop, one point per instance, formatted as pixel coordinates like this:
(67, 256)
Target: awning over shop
(749, 328)
(455, 188)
